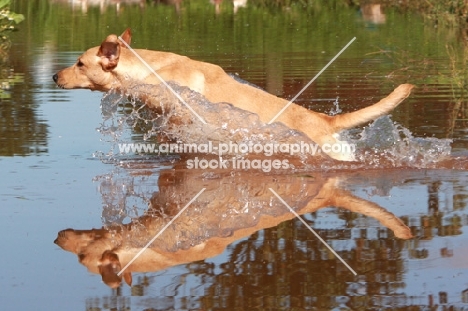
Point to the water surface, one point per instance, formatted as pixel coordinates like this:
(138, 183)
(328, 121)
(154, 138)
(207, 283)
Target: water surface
(54, 176)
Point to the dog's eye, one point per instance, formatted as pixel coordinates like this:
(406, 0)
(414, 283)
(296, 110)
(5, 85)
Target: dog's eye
(80, 63)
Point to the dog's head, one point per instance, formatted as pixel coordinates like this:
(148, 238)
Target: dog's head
(94, 68)
(95, 252)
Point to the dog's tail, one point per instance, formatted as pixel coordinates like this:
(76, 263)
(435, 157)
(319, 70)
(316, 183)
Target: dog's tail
(384, 106)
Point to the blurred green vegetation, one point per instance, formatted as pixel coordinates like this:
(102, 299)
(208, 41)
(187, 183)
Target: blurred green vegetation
(8, 19)
(448, 12)
(196, 28)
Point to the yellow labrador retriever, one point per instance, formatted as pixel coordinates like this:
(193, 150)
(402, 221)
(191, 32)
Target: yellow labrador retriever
(221, 215)
(108, 67)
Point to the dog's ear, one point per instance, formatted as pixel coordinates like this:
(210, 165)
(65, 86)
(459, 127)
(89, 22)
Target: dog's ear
(109, 267)
(109, 52)
(127, 37)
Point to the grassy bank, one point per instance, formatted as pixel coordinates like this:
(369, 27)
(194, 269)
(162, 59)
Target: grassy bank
(447, 12)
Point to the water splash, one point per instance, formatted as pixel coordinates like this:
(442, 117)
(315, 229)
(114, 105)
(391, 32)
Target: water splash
(170, 120)
(336, 107)
(379, 145)
(386, 143)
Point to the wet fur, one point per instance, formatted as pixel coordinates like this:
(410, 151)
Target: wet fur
(108, 66)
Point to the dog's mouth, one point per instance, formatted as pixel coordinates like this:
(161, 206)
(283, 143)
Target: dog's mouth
(55, 77)
(67, 86)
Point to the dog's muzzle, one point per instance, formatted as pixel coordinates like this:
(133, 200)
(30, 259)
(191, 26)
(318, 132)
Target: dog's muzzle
(55, 77)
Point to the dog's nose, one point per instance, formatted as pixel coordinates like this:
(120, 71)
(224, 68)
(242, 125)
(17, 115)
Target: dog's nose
(55, 77)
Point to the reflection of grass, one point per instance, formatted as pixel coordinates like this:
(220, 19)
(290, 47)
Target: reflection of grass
(459, 81)
(452, 11)
(458, 76)
(440, 11)
(405, 65)
(8, 20)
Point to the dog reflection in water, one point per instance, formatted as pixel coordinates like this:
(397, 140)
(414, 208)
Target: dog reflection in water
(233, 206)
